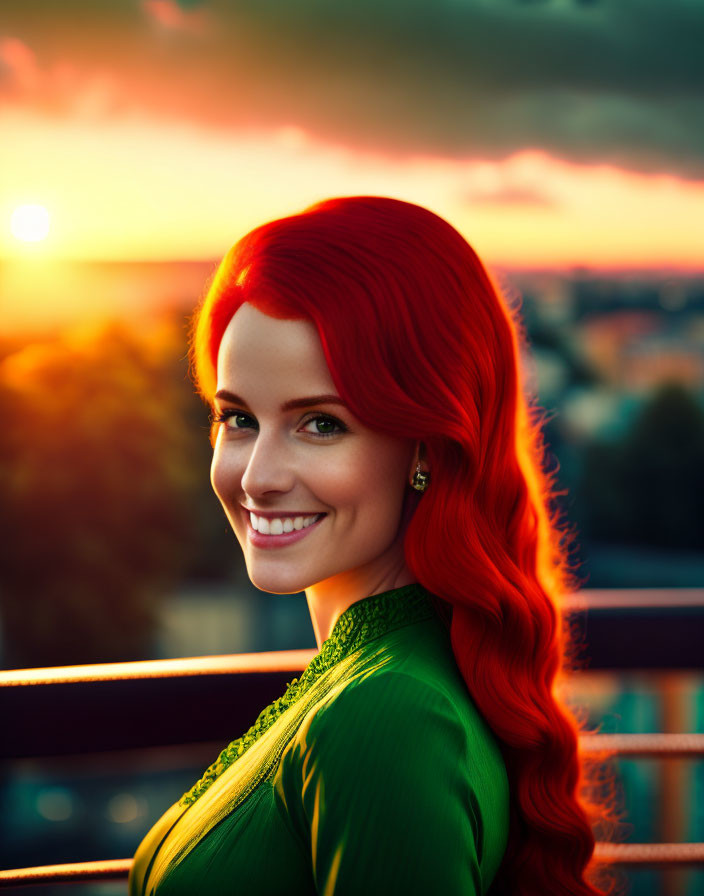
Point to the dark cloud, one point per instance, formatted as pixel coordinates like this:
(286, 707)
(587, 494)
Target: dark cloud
(620, 81)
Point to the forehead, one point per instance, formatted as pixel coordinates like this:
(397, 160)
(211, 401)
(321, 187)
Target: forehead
(259, 351)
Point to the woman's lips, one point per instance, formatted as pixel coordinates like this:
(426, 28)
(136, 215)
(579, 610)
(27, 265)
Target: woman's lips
(279, 541)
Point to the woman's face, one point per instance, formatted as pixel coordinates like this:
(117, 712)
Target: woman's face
(292, 461)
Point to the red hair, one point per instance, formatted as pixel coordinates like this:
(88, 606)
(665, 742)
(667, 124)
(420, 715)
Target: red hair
(420, 345)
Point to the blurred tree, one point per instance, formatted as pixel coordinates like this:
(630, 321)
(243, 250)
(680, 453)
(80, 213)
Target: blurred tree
(648, 488)
(97, 481)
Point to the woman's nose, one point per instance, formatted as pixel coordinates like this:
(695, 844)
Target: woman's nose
(269, 467)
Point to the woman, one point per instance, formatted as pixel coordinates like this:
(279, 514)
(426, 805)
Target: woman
(372, 448)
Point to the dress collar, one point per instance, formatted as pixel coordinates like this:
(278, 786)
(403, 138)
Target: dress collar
(370, 618)
(362, 622)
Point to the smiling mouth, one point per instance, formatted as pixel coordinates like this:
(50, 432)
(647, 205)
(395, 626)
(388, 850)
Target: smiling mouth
(278, 526)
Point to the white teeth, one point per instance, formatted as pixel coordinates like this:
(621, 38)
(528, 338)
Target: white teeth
(279, 526)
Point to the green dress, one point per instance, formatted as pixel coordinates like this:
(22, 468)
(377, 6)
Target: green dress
(374, 772)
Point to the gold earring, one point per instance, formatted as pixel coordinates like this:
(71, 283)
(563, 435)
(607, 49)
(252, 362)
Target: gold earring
(420, 479)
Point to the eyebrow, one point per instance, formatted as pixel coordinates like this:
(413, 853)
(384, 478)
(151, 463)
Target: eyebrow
(287, 405)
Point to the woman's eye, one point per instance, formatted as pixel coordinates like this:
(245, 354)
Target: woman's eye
(328, 424)
(227, 415)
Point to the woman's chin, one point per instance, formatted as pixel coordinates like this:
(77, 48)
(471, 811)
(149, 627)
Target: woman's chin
(277, 584)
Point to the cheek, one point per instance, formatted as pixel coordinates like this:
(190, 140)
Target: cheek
(223, 475)
(373, 482)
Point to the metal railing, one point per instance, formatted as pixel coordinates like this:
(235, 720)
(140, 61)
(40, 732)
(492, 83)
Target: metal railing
(249, 681)
(71, 872)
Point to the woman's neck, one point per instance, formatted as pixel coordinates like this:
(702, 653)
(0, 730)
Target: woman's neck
(327, 600)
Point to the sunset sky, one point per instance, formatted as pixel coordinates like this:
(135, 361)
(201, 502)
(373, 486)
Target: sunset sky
(550, 133)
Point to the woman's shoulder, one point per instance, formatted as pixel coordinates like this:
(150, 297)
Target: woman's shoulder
(397, 748)
(422, 675)
(412, 699)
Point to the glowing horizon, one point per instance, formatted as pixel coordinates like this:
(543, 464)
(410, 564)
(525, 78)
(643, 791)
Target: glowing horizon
(113, 197)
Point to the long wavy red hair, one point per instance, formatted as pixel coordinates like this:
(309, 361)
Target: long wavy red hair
(421, 345)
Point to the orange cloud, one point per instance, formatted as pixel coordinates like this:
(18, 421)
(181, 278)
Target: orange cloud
(20, 64)
(174, 18)
(59, 88)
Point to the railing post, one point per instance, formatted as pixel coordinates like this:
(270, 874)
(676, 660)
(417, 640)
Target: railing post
(673, 778)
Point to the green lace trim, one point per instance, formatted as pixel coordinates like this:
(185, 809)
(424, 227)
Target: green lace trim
(361, 622)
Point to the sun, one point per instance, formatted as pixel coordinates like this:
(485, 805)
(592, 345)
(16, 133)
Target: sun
(30, 223)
